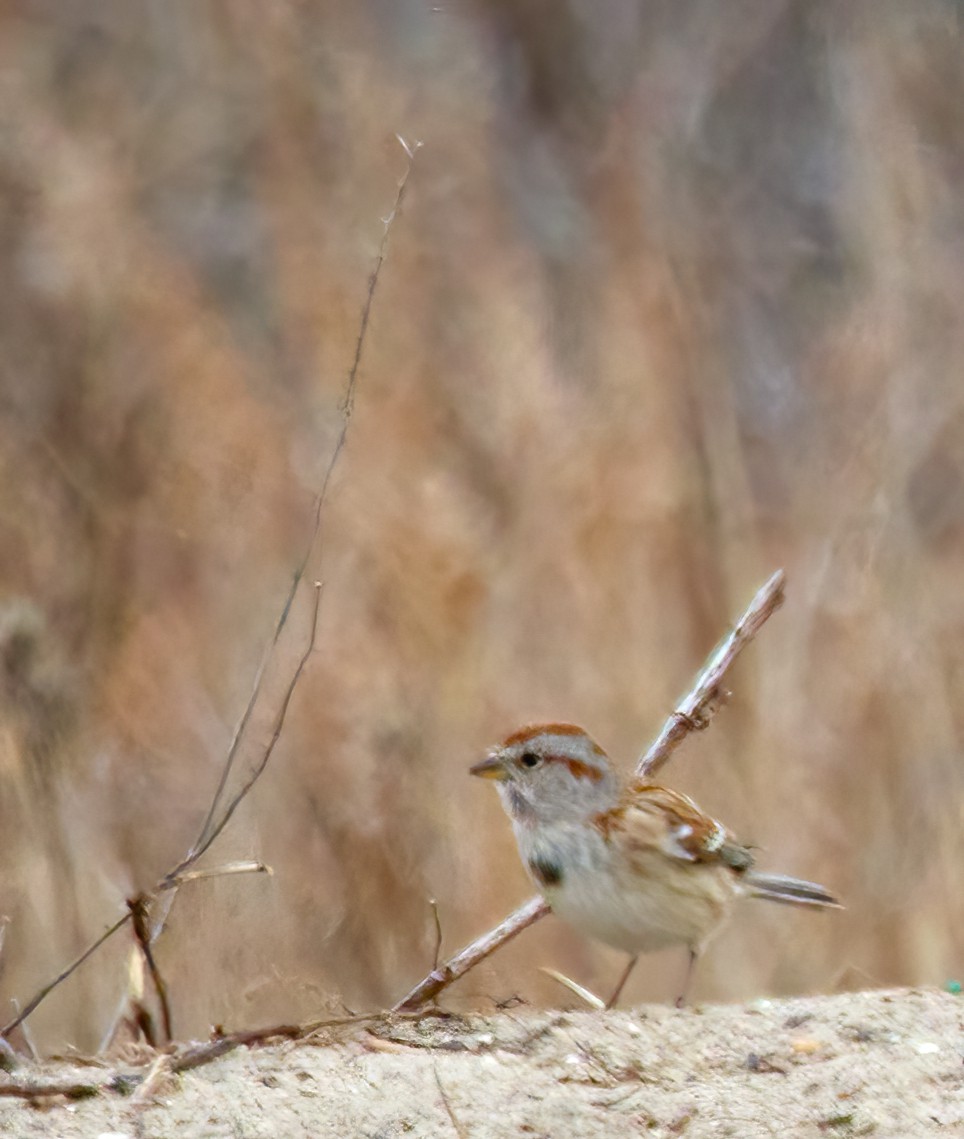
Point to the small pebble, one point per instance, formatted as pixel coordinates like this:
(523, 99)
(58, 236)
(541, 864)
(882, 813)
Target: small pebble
(761, 1004)
(806, 1045)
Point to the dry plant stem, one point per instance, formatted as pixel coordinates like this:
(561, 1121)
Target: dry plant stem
(441, 977)
(140, 917)
(127, 1005)
(170, 881)
(693, 713)
(575, 988)
(121, 1015)
(197, 1055)
(244, 866)
(26, 1033)
(161, 1071)
(210, 830)
(72, 1089)
(438, 933)
(62, 976)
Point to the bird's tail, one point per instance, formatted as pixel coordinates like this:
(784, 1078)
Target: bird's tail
(791, 891)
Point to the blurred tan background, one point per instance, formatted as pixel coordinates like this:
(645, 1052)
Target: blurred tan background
(675, 299)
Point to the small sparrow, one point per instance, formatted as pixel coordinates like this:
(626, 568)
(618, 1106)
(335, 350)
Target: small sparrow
(638, 867)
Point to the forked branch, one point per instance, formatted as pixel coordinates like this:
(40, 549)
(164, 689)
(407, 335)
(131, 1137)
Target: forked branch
(219, 815)
(693, 713)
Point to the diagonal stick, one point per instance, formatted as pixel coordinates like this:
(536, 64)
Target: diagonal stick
(698, 707)
(693, 713)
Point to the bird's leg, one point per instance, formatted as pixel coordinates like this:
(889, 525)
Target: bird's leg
(622, 981)
(691, 965)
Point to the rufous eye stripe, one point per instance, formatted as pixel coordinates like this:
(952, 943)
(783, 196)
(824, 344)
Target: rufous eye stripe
(577, 768)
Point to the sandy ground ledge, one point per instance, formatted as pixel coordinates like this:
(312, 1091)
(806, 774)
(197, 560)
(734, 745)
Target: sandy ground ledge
(878, 1063)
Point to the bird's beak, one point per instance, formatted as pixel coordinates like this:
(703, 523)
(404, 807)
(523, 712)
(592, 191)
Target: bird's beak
(491, 767)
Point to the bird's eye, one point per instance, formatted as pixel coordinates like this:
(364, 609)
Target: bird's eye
(530, 759)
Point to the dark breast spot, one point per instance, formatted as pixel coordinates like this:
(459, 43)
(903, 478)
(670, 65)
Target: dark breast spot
(545, 872)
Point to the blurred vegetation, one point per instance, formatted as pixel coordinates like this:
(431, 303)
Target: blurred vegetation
(675, 299)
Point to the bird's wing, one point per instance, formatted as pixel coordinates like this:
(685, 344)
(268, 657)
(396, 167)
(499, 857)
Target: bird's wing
(650, 817)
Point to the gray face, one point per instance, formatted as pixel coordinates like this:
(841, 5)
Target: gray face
(552, 774)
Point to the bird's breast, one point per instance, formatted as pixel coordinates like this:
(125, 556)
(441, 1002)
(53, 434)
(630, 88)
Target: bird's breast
(640, 905)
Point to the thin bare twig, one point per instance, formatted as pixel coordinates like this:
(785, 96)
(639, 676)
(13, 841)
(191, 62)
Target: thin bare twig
(242, 866)
(170, 881)
(411, 149)
(575, 988)
(457, 966)
(205, 838)
(160, 1073)
(693, 713)
(64, 974)
(33, 1089)
(241, 727)
(186, 1059)
(438, 933)
(210, 830)
(139, 907)
(26, 1033)
(195, 1055)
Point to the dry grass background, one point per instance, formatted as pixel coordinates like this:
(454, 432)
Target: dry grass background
(675, 299)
